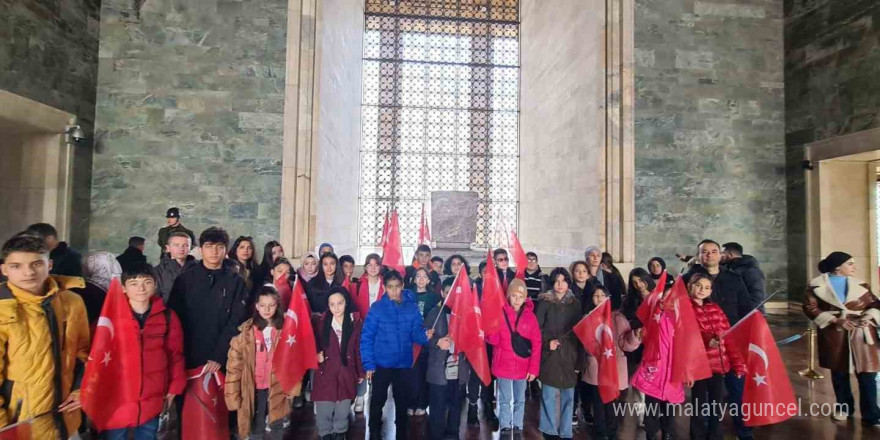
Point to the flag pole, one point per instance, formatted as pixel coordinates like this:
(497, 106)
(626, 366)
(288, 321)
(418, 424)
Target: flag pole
(446, 299)
(748, 315)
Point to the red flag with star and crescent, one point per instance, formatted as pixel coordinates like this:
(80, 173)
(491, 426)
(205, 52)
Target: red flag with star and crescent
(596, 332)
(392, 253)
(767, 383)
(204, 414)
(466, 328)
(114, 360)
(493, 298)
(519, 256)
(424, 230)
(296, 352)
(690, 362)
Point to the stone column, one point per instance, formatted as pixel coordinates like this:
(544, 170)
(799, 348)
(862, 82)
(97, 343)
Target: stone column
(297, 204)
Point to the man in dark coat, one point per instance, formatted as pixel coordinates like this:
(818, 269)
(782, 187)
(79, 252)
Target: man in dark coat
(729, 292)
(133, 255)
(746, 266)
(210, 301)
(178, 261)
(172, 218)
(65, 261)
(502, 265)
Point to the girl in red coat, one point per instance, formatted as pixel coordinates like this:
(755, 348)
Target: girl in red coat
(339, 366)
(707, 394)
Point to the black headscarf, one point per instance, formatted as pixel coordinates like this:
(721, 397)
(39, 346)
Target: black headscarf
(833, 261)
(662, 265)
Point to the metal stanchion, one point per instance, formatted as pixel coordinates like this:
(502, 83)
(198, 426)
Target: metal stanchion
(810, 372)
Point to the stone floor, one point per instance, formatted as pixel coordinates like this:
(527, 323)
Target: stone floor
(783, 325)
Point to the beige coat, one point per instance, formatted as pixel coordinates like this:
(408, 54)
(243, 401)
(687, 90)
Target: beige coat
(839, 350)
(241, 385)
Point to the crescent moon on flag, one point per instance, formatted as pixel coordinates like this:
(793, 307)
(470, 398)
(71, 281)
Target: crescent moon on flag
(106, 322)
(205, 383)
(292, 315)
(600, 329)
(760, 352)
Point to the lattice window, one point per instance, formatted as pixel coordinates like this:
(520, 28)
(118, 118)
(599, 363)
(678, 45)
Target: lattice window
(440, 110)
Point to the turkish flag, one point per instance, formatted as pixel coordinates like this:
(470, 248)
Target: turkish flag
(282, 285)
(17, 431)
(114, 366)
(767, 384)
(649, 315)
(689, 359)
(385, 224)
(465, 326)
(392, 253)
(204, 414)
(596, 332)
(296, 352)
(424, 230)
(519, 256)
(493, 298)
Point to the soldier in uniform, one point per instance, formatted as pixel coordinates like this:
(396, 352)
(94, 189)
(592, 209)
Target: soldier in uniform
(172, 217)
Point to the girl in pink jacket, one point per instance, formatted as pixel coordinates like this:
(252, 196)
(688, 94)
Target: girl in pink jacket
(512, 370)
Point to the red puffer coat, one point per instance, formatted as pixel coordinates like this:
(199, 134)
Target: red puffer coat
(713, 323)
(162, 367)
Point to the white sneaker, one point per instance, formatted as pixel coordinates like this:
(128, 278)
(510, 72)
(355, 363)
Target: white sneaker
(359, 404)
(420, 412)
(839, 416)
(409, 412)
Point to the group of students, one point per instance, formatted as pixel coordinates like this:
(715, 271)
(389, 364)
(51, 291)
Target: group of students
(225, 313)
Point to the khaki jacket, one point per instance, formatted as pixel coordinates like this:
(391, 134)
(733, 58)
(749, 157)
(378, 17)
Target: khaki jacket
(840, 350)
(241, 385)
(33, 357)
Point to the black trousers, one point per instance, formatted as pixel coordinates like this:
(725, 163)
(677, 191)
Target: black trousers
(707, 395)
(419, 382)
(399, 380)
(867, 395)
(444, 419)
(659, 417)
(604, 419)
(476, 389)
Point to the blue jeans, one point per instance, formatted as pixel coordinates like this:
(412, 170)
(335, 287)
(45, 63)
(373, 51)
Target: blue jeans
(147, 431)
(735, 386)
(511, 395)
(553, 423)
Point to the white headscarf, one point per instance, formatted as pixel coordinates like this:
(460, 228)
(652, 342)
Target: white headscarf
(100, 268)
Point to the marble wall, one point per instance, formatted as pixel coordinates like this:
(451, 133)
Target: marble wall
(49, 53)
(562, 122)
(340, 34)
(190, 107)
(709, 130)
(832, 62)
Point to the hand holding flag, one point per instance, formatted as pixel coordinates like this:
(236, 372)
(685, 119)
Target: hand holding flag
(596, 332)
(296, 349)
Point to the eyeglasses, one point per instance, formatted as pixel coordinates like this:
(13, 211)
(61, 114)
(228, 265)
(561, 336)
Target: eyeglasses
(501, 259)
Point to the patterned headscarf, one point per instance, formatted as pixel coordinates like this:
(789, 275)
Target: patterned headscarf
(100, 268)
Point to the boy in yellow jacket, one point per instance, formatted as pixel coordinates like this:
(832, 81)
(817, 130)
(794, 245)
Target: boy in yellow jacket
(44, 342)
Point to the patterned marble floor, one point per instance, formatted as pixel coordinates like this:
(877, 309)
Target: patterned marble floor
(783, 324)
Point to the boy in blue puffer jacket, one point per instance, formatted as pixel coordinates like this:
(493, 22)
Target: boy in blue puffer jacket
(393, 325)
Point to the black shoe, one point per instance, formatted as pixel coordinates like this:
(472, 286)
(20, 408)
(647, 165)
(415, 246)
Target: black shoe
(339, 436)
(472, 416)
(298, 402)
(550, 437)
(492, 420)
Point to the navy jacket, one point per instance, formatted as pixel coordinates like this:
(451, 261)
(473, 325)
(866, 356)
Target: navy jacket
(390, 331)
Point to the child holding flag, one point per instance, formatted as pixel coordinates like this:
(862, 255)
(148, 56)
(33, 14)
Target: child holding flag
(252, 387)
(625, 340)
(653, 377)
(723, 357)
